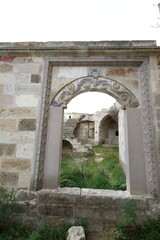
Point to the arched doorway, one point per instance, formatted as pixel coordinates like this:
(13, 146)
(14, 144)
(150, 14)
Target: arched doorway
(135, 183)
(108, 130)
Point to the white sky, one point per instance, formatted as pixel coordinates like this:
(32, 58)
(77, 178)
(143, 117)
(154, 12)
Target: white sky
(78, 20)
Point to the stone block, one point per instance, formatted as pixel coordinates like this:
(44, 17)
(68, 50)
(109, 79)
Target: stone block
(1, 88)
(26, 101)
(158, 113)
(35, 78)
(8, 124)
(55, 210)
(60, 196)
(6, 78)
(7, 149)
(6, 100)
(23, 195)
(157, 100)
(17, 137)
(27, 125)
(24, 179)
(34, 89)
(34, 68)
(9, 178)
(23, 78)
(4, 67)
(76, 233)
(25, 150)
(18, 112)
(17, 164)
(9, 89)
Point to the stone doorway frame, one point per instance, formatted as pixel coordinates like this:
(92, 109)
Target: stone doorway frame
(38, 173)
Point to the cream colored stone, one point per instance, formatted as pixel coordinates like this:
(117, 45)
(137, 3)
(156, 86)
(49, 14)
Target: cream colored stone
(24, 179)
(72, 72)
(18, 112)
(27, 68)
(6, 78)
(17, 164)
(22, 78)
(26, 101)
(9, 88)
(8, 124)
(25, 150)
(17, 137)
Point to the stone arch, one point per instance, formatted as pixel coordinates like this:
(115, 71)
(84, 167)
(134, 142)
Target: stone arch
(98, 84)
(127, 100)
(67, 146)
(108, 126)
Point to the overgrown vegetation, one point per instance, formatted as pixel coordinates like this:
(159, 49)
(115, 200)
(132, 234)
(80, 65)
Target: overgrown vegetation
(22, 232)
(130, 229)
(101, 170)
(10, 231)
(7, 205)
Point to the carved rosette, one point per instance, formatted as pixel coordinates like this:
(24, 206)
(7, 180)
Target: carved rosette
(150, 160)
(99, 84)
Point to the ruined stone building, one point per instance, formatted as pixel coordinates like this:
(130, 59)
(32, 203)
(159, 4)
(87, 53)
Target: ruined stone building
(38, 80)
(80, 129)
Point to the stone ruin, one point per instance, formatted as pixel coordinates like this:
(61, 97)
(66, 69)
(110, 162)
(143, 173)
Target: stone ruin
(37, 81)
(79, 130)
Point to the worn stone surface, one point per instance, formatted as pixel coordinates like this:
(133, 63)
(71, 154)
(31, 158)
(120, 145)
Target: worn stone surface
(100, 209)
(4, 67)
(7, 149)
(6, 100)
(9, 89)
(26, 101)
(1, 88)
(76, 233)
(8, 124)
(27, 125)
(158, 114)
(24, 179)
(17, 112)
(32, 68)
(27, 89)
(17, 137)
(9, 178)
(35, 78)
(16, 163)
(25, 150)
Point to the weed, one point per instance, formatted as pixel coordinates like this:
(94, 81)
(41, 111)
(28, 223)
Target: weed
(7, 205)
(130, 229)
(106, 174)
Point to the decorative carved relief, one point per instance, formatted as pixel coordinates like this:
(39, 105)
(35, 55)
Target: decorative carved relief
(43, 123)
(150, 161)
(100, 84)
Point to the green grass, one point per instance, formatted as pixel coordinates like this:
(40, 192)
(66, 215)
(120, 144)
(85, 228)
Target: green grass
(22, 232)
(106, 174)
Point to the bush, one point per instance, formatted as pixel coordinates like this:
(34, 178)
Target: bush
(7, 205)
(129, 229)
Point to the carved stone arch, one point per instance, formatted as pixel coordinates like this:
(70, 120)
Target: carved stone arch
(98, 84)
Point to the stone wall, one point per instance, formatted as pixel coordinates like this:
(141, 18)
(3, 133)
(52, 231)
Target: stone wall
(31, 74)
(101, 209)
(20, 92)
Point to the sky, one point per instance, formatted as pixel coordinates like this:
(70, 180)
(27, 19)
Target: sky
(79, 20)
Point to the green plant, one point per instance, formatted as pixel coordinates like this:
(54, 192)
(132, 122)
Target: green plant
(130, 229)
(106, 174)
(7, 204)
